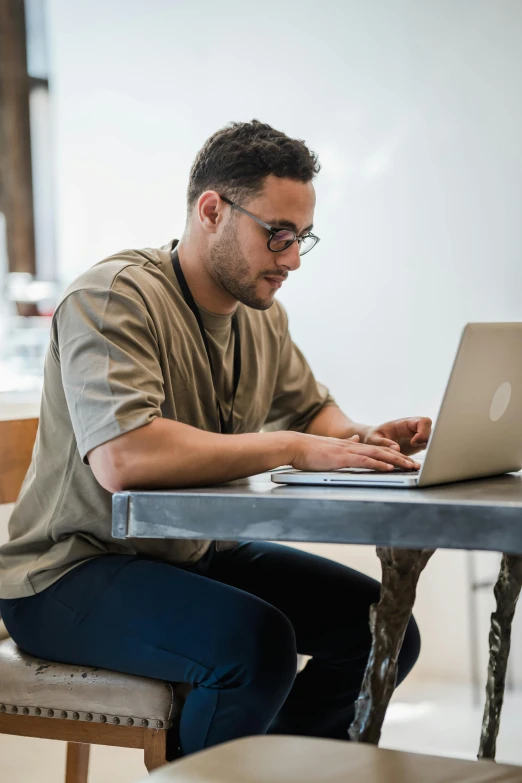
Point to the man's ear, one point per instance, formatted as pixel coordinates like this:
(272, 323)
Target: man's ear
(211, 211)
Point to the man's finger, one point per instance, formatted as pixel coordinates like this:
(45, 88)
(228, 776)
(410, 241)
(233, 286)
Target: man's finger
(419, 440)
(384, 454)
(386, 442)
(422, 427)
(425, 428)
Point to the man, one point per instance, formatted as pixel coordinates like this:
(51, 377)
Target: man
(163, 367)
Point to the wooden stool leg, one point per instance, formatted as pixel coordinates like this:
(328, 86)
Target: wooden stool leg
(155, 748)
(507, 591)
(389, 619)
(77, 765)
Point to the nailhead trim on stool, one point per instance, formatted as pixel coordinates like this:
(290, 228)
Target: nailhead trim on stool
(93, 717)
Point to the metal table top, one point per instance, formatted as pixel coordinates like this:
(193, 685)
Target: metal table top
(479, 514)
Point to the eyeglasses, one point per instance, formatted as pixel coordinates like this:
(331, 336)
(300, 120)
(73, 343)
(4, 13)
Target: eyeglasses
(280, 238)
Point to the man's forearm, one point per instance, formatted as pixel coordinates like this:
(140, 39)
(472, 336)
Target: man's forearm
(333, 423)
(166, 453)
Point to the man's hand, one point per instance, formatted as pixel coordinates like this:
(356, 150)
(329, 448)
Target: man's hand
(317, 453)
(408, 436)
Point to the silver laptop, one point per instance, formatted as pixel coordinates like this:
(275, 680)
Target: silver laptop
(478, 431)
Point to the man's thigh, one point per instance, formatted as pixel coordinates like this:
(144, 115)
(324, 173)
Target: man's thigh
(142, 617)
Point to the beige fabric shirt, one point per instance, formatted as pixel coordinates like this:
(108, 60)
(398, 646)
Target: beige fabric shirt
(124, 349)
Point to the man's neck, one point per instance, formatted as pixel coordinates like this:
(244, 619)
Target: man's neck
(205, 290)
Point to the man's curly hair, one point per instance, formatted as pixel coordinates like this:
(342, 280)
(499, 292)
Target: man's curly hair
(237, 159)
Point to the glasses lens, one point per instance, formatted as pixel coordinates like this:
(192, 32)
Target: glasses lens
(307, 243)
(281, 240)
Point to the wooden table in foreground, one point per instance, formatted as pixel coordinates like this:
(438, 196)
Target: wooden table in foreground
(406, 526)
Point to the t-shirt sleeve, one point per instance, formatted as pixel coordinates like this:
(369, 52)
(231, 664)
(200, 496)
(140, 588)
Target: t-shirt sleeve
(298, 396)
(110, 365)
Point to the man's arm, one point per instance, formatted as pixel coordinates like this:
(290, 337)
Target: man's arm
(167, 453)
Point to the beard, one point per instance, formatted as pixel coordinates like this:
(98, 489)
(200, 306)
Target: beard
(230, 269)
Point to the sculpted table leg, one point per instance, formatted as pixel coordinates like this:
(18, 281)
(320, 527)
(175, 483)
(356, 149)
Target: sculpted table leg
(401, 569)
(507, 590)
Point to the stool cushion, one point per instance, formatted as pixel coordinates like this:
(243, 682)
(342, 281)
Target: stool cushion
(305, 760)
(31, 686)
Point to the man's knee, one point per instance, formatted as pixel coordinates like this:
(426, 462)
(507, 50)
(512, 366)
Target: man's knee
(263, 651)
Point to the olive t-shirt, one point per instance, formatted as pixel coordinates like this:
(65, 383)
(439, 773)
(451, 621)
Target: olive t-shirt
(124, 349)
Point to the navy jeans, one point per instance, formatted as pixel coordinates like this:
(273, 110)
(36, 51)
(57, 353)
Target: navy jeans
(231, 625)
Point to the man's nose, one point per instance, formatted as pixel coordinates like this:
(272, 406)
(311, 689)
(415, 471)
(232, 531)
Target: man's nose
(290, 257)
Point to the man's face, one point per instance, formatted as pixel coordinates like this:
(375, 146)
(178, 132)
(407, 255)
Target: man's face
(240, 260)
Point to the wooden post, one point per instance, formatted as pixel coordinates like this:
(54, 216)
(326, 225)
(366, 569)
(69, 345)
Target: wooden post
(77, 763)
(155, 749)
(16, 181)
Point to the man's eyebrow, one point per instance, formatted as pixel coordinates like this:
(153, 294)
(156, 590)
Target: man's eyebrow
(288, 224)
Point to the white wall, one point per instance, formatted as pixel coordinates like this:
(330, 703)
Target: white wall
(414, 108)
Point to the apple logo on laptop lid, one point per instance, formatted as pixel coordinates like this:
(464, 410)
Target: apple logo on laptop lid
(500, 401)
